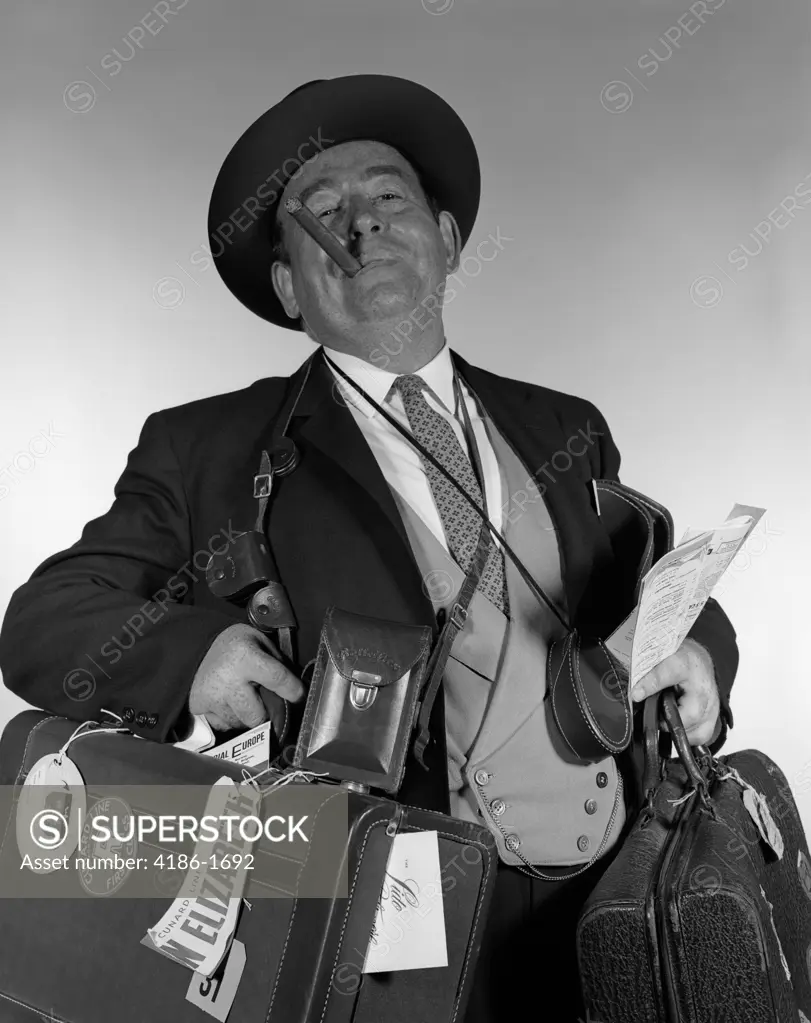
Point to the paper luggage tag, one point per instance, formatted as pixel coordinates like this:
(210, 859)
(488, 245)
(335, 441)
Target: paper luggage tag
(199, 926)
(49, 806)
(215, 995)
(251, 749)
(409, 930)
(758, 809)
(760, 813)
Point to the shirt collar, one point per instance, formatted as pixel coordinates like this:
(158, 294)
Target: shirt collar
(376, 382)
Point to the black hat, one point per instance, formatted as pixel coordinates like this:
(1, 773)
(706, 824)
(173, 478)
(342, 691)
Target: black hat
(316, 116)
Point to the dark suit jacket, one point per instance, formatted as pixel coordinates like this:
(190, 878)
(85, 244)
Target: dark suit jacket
(66, 644)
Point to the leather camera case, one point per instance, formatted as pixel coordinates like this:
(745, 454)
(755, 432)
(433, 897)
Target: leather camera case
(362, 701)
(587, 686)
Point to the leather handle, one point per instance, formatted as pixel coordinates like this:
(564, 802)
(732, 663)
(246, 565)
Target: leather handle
(653, 762)
(665, 702)
(678, 733)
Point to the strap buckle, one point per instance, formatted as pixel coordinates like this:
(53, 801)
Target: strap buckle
(262, 483)
(458, 615)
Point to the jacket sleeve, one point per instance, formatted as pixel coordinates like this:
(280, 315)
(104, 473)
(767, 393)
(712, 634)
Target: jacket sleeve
(102, 624)
(712, 629)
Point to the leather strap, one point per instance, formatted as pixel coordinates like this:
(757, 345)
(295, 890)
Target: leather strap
(282, 461)
(284, 455)
(439, 655)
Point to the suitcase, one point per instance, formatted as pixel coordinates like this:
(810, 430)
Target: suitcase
(81, 960)
(698, 920)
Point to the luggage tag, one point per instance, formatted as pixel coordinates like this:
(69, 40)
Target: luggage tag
(251, 749)
(760, 813)
(758, 809)
(409, 929)
(50, 805)
(215, 995)
(198, 928)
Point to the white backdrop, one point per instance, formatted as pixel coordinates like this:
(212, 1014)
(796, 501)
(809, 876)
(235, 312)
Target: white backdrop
(649, 161)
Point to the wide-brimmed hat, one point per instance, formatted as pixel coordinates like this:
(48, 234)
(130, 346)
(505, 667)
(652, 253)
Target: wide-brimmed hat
(318, 115)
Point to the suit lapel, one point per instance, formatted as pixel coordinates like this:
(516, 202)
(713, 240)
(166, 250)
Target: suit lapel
(330, 426)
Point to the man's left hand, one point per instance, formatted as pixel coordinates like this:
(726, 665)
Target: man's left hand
(690, 670)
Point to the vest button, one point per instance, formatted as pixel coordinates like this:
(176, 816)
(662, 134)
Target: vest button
(497, 807)
(591, 806)
(602, 780)
(512, 842)
(583, 843)
(481, 777)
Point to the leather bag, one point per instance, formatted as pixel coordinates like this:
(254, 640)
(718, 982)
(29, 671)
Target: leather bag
(698, 919)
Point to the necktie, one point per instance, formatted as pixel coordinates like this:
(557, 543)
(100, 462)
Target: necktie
(461, 523)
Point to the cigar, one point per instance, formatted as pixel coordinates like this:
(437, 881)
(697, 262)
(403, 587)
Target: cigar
(322, 236)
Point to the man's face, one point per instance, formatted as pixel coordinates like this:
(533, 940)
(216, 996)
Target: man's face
(368, 195)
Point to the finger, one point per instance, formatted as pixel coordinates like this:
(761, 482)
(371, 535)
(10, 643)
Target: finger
(215, 721)
(700, 718)
(702, 734)
(692, 706)
(245, 703)
(266, 670)
(670, 672)
(227, 717)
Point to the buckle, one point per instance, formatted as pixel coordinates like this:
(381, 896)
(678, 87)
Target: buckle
(458, 615)
(261, 484)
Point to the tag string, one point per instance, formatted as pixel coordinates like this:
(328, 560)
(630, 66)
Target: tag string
(87, 728)
(284, 779)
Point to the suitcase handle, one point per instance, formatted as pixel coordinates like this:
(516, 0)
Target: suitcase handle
(665, 702)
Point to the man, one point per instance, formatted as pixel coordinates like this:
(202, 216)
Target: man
(366, 522)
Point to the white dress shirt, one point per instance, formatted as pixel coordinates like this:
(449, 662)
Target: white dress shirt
(399, 461)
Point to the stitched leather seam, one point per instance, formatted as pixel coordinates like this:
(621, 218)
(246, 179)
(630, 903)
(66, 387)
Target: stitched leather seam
(606, 742)
(285, 723)
(651, 504)
(473, 929)
(576, 690)
(480, 845)
(648, 545)
(30, 1008)
(22, 773)
(564, 657)
(293, 914)
(310, 707)
(376, 824)
(626, 735)
(425, 645)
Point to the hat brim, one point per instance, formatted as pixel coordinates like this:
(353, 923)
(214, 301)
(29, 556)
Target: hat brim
(319, 115)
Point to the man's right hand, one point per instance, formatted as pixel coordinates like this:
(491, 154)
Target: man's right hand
(224, 688)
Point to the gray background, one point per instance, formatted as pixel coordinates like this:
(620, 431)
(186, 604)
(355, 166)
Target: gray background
(625, 280)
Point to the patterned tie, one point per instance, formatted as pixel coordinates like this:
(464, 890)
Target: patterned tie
(461, 523)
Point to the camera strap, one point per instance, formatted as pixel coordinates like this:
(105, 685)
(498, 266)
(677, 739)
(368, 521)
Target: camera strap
(457, 615)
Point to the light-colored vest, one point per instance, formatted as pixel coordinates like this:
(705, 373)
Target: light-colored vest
(506, 764)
